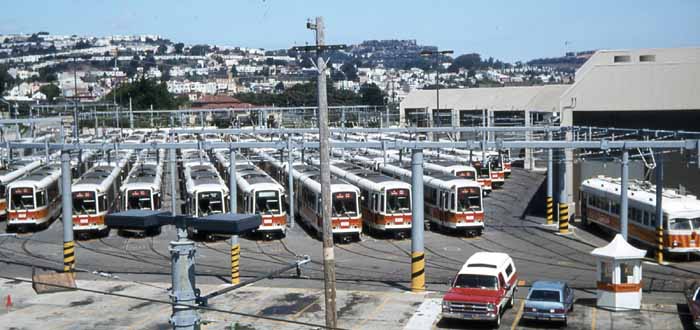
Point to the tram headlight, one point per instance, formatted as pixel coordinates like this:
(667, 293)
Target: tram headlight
(675, 243)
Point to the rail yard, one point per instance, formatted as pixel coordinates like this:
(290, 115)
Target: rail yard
(473, 201)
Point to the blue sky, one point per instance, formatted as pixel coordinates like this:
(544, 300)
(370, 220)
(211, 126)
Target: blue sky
(509, 30)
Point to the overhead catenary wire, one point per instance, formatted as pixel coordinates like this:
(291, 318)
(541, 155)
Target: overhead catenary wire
(166, 302)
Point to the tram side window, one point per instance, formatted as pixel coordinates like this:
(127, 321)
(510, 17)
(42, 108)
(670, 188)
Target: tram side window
(653, 221)
(646, 218)
(615, 208)
(102, 200)
(41, 199)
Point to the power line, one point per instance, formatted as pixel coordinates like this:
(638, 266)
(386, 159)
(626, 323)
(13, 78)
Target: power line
(165, 302)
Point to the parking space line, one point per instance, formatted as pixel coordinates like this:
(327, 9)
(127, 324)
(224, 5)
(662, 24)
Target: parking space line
(593, 317)
(374, 313)
(518, 315)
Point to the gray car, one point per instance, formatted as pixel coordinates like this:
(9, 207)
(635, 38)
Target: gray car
(549, 301)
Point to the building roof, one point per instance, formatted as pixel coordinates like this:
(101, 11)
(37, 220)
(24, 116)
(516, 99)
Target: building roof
(219, 102)
(637, 80)
(619, 249)
(533, 98)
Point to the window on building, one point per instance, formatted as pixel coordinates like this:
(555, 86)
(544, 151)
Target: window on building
(606, 271)
(647, 58)
(622, 59)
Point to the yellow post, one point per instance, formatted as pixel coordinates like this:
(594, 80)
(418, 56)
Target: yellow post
(563, 218)
(418, 271)
(235, 258)
(660, 247)
(550, 210)
(68, 257)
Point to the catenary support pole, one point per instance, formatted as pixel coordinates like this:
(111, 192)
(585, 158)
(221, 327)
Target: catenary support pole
(173, 177)
(417, 223)
(233, 195)
(623, 193)
(659, 207)
(324, 155)
(550, 185)
(563, 200)
(290, 181)
(67, 214)
(131, 114)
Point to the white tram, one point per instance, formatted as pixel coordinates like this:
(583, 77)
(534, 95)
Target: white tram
(600, 205)
(34, 200)
(386, 201)
(96, 193)
(451, 202)
(10, 172)
(257, 192)
(205, 192)
(346, 218)
(142, 189)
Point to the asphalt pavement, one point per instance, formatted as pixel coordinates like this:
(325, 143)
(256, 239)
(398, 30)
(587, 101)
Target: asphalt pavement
(375, 264)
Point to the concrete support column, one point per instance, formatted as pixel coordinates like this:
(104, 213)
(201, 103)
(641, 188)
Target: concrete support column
(417, 250)
(290, 181)
(550, 184)
(623, 193)
(233, 208)
(563, 197)
(528, 163)
(67, 214)
(184, 292)
(659, 207)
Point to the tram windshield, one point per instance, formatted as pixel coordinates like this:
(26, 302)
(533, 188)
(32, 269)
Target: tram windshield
(267, 202)
(476, 281)
(2, 191)
(344, 204)
(466, 174)
(468, 199)
(398, 201)
(139, 200)
(496, 164)
(484, 172)
(209, 202)
(84, 202)
(22, 198)
(684, 224)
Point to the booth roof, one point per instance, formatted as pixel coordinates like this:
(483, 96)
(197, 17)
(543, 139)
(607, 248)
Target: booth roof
(619, 249)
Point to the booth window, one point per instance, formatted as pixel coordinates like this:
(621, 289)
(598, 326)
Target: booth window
(626, 273)
(606, 270)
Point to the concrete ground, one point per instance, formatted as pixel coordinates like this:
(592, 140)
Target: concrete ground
(377, 264)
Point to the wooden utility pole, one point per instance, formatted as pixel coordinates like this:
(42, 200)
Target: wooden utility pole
(324, 153)
(324, 150)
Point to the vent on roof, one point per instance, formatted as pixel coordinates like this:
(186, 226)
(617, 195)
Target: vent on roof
(621, 58)
(647, 58)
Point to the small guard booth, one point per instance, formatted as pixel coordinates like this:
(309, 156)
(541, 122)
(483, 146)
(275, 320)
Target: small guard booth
(619, 275)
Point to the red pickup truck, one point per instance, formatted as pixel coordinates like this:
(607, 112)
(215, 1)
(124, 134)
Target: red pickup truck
(483, 288)
(692, 295)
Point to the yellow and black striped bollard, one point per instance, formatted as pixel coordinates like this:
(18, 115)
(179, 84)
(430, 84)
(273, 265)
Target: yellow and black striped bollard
(68, 257)
(563, 218)
(550, 210)
(235, 259)
(660, 247)
(418, 271)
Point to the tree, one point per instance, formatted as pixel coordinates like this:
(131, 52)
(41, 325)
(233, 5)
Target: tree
(162, 49)
(466, 61)
(6, 80)
(144, 93)
(51, 91)
(47, 74)
(178, 47)
(234, 71)
(371, 94)
(200, 50)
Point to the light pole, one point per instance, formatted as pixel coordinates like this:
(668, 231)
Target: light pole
(436, 53)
